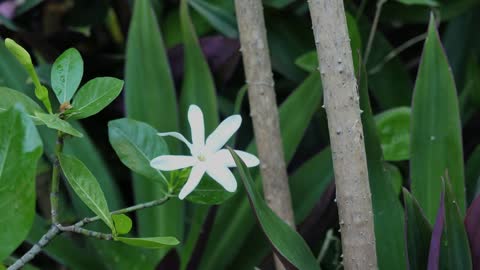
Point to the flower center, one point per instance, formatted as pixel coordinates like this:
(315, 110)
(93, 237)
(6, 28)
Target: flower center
(201, 157)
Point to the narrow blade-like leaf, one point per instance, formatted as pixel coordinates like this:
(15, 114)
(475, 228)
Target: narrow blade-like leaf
(436, 143)
(150, 242)
(287, 243)
(472, 225)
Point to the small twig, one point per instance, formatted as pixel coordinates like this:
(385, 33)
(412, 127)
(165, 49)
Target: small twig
(37, 248)
(54, 190)
(395, 52)
(77, 228)
(373, 30)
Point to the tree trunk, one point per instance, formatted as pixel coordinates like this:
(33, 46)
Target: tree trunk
(346, 133)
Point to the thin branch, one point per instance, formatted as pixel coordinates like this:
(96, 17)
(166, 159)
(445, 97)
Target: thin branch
(395, 52)
(56, 178)
(36, 248)
(77, 228)
(346, 133)
(263, 108)
(373, 30)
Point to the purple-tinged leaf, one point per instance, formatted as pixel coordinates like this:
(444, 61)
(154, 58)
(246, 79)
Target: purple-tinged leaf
(472, 225)
(436, 240)
(222, 55)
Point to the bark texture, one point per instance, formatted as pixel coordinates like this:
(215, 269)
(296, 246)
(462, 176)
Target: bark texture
(346, 133)
(263, 108)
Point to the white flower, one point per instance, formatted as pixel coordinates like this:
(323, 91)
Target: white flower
(207, 156)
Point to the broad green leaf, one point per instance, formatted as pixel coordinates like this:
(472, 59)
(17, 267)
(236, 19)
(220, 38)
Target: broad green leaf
(123, 224)
(219, 18)
(10, 97)
(234, 220)
(286, 242)
(136, 144)
(95, 95)
(198, 86)
(387, 210)
(86, 187)
(150, 97)
(430, 3)
(19, 152)
(393, 128)
(150, 242)
(455, 252)
(25, 60)
(436, 144)
(53, 121)
(67, 73)
(472, 175)
(418, 233)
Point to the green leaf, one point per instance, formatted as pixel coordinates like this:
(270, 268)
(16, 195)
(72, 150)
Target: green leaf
(395, 177)
(136, 144)
(278, 4)
(387, 210)
(53, 121)
(10, 97)
(67, 72)
(150, 242)
(150, 97)
(418, 233)
(19, 152)
(455, 251)
(286, 242)
(394, 131)
(123, 224)
(430, 3)
(86, 187)
(436, 143)
(198, 86)
(222, 20)
(95, 95)
(208, 191)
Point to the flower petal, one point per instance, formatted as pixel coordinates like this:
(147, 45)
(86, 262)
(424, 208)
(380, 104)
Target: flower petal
(223, 132)
(224, 157)
(223, 176)
(195, 118)
(171, 163)
(192, 182)
(177, 136)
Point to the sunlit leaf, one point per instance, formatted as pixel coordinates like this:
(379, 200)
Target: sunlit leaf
(123, 224)
(67, 72)
(394, 131)
(150, 242)
(53, 121)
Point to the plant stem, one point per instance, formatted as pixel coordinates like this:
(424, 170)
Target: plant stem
(346, 133)
(77, 228)
(37, 248)
(263, 109)
(125, 210)
(373, 30)
(54, 190)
